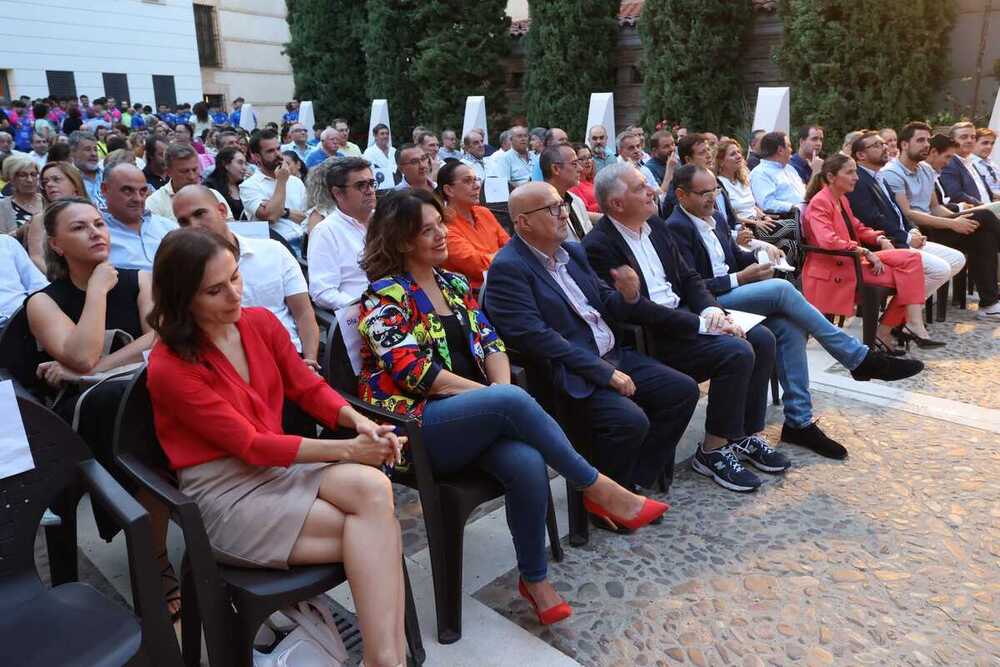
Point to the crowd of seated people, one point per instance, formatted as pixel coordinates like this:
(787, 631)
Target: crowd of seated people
(209, 249)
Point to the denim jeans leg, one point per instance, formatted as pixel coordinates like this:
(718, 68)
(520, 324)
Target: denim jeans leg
(521, 469)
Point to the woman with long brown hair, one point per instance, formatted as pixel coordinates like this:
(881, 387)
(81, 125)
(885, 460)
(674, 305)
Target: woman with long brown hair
(829, 283)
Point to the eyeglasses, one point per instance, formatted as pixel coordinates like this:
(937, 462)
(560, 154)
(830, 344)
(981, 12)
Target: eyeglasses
(701, 193)
(26, 175)
(361, 186)
(555, 210)
(875, 144)
(415, 161)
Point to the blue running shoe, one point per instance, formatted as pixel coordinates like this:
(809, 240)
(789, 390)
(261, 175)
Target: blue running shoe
(760, 454)
(724, 467)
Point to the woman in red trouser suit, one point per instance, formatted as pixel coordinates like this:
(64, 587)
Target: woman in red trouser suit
(829, 281)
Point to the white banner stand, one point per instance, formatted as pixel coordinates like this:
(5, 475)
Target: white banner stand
(246, 117)
(380, 114)
(771, 114)
(602, 112)
(475, 116)
(995, 126)
(307, 116)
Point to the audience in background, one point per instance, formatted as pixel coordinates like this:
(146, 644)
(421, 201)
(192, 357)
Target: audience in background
(807, 160)
(588, 170)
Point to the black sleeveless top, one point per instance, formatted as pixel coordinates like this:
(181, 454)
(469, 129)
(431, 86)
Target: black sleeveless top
(122, 311)
(462, 362)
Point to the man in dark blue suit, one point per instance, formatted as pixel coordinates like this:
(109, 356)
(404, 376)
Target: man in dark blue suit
(712, 347)
(739, 282)
(874, 205)
(960, 179)
(546, 301)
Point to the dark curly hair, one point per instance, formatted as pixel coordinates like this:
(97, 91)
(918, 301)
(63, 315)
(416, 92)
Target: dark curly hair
(177, 272)
(397, 220)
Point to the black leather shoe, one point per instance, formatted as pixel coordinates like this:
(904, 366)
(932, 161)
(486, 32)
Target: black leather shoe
(880, 366)
(811, 437)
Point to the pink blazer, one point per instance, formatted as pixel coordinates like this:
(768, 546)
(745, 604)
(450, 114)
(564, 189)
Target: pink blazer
(828, 281)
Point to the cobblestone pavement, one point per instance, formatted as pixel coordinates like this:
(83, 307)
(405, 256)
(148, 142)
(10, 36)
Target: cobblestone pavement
(889, 558)
(959, 371)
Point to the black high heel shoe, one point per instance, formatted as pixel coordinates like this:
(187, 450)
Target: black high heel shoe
(884, 348)
(922, 343)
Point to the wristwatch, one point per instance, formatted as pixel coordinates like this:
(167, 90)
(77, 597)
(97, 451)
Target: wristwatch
(285, 214)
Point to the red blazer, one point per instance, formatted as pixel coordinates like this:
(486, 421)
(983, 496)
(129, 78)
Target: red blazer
(828, 281)
(204, 411)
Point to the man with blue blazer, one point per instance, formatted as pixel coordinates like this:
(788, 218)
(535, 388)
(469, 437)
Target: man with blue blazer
(545, 301)
(872, 204)
(739, 282)
(960, 178)
(715, 349)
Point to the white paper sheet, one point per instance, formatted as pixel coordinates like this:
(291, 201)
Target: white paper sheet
(495, 186)
(15, 453)
(745, 320)
(783, 265)
(348, 319)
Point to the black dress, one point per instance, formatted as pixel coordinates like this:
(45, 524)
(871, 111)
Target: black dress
(100, 405)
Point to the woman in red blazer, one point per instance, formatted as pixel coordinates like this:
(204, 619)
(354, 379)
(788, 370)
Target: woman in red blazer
(218, 379)
(829, 281)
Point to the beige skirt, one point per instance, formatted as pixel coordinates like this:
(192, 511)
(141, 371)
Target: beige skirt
(252, 514)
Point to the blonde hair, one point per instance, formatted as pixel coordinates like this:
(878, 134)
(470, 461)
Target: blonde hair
(742, 174)
(15, 164)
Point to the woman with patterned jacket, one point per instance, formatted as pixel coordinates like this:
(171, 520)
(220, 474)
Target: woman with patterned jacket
(432, 354)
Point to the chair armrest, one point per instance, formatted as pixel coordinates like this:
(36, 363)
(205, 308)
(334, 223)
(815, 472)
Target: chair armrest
(827, 251)
(158, 636)
(325, 318)
(519, 376)
(153, 482)
(636, 334)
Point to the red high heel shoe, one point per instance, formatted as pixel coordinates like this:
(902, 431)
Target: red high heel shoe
(559, 612)
(651, 510)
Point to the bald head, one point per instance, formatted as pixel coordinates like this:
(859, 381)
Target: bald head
(197, 206)
(530, 207)
(125, 190)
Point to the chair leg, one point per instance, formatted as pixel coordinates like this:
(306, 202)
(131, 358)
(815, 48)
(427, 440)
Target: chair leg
(190, 620)
(942, 302)
(929, 310)
(60, 542)
(869, 320)
(775, 395)
(446, 567)
(414, 642)
(554, 543)
(579, 529)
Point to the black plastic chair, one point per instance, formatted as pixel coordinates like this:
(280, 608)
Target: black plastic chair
(72, 623)
(230, 603)
(447, 501)
(869, 298)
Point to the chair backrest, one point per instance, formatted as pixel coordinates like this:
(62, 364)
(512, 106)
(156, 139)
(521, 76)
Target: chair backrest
(19, 351)
(135, 432)
(338, 368)
(56, 450)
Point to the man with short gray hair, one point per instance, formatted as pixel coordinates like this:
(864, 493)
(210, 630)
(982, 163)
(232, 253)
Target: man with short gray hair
(474, 152)
(328, 147)
(597, 140)
(83, 150)
(449, 146)
(183, 169)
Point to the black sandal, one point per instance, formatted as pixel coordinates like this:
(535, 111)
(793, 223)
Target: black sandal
(883, 347)
(171, 585)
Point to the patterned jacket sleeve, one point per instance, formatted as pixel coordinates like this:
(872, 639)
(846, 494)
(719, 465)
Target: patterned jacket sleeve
(387, 327)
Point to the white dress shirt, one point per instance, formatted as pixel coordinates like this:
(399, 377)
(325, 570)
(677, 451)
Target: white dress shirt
(259, 188)
(335, 248)
(714, 247)
(270, 275)
(19, 278)
(161, 202)
(977, 178)
(604, 338)
(660, 289)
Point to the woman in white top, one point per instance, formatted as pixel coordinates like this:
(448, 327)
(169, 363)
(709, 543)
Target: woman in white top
(734, 176)
(318, 195)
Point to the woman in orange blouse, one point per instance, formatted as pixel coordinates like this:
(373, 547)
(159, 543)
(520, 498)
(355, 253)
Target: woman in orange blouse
(474, 235)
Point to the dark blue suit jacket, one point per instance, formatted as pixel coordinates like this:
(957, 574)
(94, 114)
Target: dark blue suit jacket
(872, 207)
(532, 313)
(606, 250)
(958, 184)
(696, 255)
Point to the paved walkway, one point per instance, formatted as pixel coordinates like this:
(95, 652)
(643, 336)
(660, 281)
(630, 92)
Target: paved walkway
(889, 558)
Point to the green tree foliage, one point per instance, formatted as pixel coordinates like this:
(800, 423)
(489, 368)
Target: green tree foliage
(394, 29)
(864, 63)
(462, 55)
(571, 49)
(690, 62)
(327, 57)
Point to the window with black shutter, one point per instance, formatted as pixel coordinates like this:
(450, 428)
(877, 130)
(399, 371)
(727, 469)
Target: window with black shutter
(61, 84)
(206, 35)
(164, 90)
(116, 86)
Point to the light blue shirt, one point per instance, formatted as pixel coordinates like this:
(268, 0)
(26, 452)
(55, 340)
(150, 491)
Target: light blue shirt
(303, 152)
(601, 162)
(19, 278)
(518, 170)
(478, 166)
(318, 155)
(93, 188)
(917, 186)
(136, 250)
(777, 187)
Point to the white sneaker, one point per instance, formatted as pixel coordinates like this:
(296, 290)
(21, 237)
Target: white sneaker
(989, 313)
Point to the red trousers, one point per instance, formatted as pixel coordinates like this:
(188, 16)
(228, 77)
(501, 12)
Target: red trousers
(904, 272)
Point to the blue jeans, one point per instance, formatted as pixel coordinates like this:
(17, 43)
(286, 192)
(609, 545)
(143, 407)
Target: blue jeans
(505, 432)
(792, 319)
